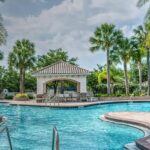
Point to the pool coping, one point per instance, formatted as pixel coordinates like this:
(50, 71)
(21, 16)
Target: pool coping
(68, 104)
(132, 123)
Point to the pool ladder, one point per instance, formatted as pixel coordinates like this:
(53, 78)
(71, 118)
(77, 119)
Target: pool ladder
(55, 139)
(5, 129)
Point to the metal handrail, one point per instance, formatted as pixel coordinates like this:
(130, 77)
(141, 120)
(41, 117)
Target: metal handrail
(55, 139)
(5, 128)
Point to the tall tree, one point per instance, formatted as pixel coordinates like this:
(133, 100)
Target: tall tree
(138, 50)
(104, 38)
(3, 34)
(147, 46)
(54, 56)
(22, 58)
(123, 52)
(143, 33)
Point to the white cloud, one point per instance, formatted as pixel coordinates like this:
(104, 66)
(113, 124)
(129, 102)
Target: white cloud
(70, 24)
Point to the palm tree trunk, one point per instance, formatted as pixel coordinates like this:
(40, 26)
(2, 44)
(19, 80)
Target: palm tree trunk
(23, 81)
(21, 77)
(126, 78)
(140, 75)
(148, 65)
(108, 73)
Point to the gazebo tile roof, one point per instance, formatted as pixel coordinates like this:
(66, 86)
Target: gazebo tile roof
(62, 67)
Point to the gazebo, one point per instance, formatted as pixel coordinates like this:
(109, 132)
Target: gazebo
(61, 71)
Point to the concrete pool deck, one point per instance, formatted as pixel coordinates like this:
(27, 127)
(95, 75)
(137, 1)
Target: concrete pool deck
(69, 104)
(135, 118)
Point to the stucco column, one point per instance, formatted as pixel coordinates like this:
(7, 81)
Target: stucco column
(40, 86)
(78, 87)
(83, 88)
(44, 88)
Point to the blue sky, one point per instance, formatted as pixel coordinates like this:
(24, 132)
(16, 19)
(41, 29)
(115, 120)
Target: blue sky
(67, 24)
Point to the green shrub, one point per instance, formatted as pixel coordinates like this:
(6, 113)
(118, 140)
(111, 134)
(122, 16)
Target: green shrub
(21, 95)
(8, 97)
(118, 89)
(31, 96)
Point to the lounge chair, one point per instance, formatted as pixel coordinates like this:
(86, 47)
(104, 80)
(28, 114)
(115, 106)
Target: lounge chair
(75, 97)
(86, 97)
(67, 97)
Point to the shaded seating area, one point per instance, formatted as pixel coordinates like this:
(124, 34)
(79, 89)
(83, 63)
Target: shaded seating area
(66, 97)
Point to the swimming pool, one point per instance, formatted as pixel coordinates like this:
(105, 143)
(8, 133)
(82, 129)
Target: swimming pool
(79, 128)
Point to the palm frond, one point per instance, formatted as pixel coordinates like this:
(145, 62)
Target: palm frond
(147, 17)
(140, 3)
(94, 48)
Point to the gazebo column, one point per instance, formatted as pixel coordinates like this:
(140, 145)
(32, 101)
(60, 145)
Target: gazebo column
(78, 87)
(41, 86)
(44, 88)
(83, 88)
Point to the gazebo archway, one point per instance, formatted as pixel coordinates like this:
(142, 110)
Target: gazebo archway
(59, 71)
(61, 85)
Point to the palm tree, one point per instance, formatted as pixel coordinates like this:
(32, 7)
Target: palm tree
(138, 50)
(147, 47)
(22, 58)
(143, 35)
(104, 39)
(123, 52)
(3, 34)
(141, 3)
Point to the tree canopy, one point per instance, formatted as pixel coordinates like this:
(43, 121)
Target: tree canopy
(53, 56)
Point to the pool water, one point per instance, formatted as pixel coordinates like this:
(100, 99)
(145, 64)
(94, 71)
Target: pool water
(79, 128)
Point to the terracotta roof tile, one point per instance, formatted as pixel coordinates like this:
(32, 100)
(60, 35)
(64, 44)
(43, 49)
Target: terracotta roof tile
(62, 67)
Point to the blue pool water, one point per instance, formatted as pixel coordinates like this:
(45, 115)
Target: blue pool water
(79, 128)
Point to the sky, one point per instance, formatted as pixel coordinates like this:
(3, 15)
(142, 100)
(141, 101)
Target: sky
(67, 24)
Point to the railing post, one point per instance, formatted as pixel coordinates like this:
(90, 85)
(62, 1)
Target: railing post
(55, 139)
(9, 140)
(5, 128)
